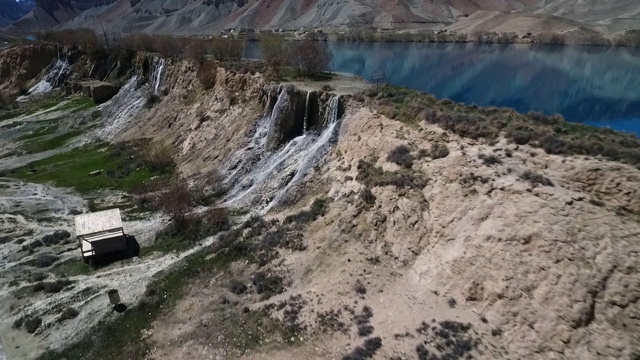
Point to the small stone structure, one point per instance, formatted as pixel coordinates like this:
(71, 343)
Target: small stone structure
(100, 233)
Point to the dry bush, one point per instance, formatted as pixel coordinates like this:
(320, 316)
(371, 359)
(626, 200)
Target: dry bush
(140, 42)
(32, 324)
(206, 191)
(310, 57)
(439, 151)
(534, 178)
(170, 46)
(551, 38)
(159, 156)
(68, 314)
(5, 103)
(207, 75)
(227, 49)
(629, 38)
(275, 52)
(401, 155)
(175, 201)
(197, 50)
(85, 38)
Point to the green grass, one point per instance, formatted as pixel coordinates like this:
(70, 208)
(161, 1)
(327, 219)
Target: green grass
(121, 337)
(36, 145)
(46, 130)
(71, 267)
(71, 170)
(79, 103)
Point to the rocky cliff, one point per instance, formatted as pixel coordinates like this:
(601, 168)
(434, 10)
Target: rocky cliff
(391, 239)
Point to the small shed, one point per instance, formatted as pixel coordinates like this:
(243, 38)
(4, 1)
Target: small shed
(100, 233)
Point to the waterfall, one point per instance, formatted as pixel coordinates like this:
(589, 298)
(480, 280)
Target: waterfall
(157, 75)
(261, 179)
(121, 109)
(306, 113)
(53, 79)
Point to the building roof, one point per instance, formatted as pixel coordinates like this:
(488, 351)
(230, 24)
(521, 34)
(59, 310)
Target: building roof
(98, 221)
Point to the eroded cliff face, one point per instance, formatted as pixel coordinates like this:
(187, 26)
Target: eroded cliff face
(19, 65)
(528, 255)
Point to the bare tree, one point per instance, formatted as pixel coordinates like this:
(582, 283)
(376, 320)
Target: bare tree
(159, 156)
(197, 50)
(275, 52)
(310, 57)
(227, 49)
(175, 201)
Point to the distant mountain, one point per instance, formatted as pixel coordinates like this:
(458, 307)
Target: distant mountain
(210, 16)
(12, 10)
(48, 14)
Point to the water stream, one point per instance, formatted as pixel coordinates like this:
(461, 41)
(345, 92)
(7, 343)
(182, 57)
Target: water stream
(53, 79)
(260, 179)
(157, 74)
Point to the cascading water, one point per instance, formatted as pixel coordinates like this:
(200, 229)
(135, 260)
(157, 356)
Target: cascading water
(262, 179)
(53, 79)
(306, 113)
(157, 75)
(121, 109)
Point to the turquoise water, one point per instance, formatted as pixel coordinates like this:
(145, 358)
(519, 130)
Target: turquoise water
(590, 85)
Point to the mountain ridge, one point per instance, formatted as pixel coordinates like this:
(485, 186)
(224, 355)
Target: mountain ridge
(189, 17)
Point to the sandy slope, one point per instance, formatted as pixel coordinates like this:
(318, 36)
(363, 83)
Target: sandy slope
(550, 269)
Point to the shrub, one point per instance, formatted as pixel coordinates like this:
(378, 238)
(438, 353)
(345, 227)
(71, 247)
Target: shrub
(318, 209)
(554, 145)
(152, 99)
(452, 303)
(237, 287)
(365, 330)
(520, 137)
(373, 176)
(197, 50)
(68, 313)
(275, 52)
(360, 288)
(535, 178)
(489, 160)
(367, 196)
(550, 38)
(226, 49)
(366, 351)
(439, 151)
(207, 75)
(310, 57)
(32, 324)
(466, 125)
(175, 201)
(55, 237)
(159, 156)
(17, 324)
(401, 155)
(45, 260)
(267, 285)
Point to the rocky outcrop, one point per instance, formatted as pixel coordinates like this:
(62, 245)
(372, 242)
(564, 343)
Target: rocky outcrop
(100, 91)
(21, 64)
(295, 112)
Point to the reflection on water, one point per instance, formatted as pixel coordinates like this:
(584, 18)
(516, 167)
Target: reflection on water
(596, 86)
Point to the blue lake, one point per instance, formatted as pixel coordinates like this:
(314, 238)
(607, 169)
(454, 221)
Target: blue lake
(590, 85)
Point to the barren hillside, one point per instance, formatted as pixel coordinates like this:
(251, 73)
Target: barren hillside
(357, 224)
(204, 17)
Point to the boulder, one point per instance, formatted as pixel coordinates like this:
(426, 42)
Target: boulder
(102, 92)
